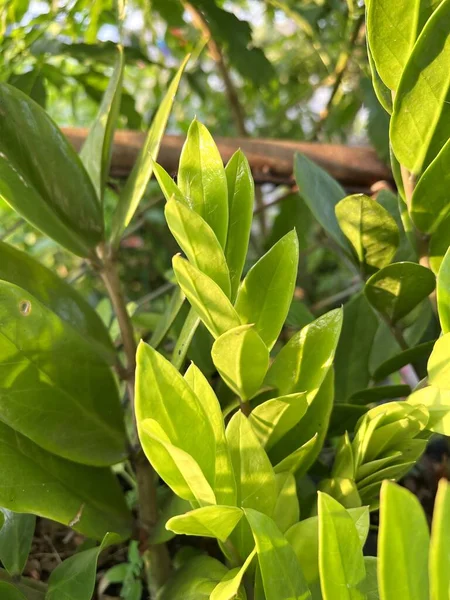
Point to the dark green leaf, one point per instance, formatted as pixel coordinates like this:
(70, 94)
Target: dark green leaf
(16, 536)
(404, 358)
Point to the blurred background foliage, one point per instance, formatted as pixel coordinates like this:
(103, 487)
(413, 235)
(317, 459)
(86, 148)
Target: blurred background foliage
(264, 68)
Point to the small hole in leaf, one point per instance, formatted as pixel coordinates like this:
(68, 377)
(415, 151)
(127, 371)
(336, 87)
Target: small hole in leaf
(25, 307)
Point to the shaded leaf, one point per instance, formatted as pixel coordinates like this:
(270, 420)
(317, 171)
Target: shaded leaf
(208, 521)
(16, 536)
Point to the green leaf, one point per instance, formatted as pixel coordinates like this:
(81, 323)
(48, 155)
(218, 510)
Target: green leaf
(166, 320)
(49, 188)
(73, 412)
(443, 293)
(266, 293)
(398, 288)
(206, 297)
(228, 588)
(256, 484)
(21, 269)
(241, 193)
(439, 363)
(420, 121)
(16, 536)
(381, 392)
(273, 418)
(321, 193)
(136, 183)
(439, 244)
(406, 357)
(280, 570)
(287, 509)
(46, 485)
(382, 92)
(208, 521)
(369, 586)
(354, 348)
(195, 580)
(74, 579)
(300, 459)
(429, 203)
(341, 561)
(344, 464)
(172, 507)
(185, 338)
(224, 484)
(301, 366)
(403, 546)
(168, 186)
(199, 242)
(242, 359)
(162, 395)
(202, 179)
(97, 149)
(439, 563)
(31, 589)
(370, 229)
(9, 592)
(437, 402)
(393, 27)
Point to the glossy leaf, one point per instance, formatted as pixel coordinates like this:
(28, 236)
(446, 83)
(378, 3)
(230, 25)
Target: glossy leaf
(168, 186)
(287, 509)
(37, 482)
(73, 412)
(266, 293)
(241, 192)
(74, 578)
(97, 149)
(21, 269)
(280, 570)
(195, 580)
(16, 535)
(202, 179)
(162, 395)
(403, 546)
(443, 293)
(228, 588)
(242, 359)
(10, 592)
(273, 418)
(429, 203)
(224, 483)
(382, 92)
(341, 561)
(49, 188)
(198, 241)
(370, 229)
(136, 183)
(300, 459)
(398, 288)
(321, 193)
(185, 338)
(437, 403)
(206, 297)
(208, 521)
(439, 244)
(303, 363)
(420, 121)
(439, 363)
(166, 320)
(439, 563)
(370, 585)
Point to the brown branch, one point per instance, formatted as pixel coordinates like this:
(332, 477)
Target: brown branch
(201, 24)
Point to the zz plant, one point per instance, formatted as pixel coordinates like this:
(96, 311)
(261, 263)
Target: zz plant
(284, 447)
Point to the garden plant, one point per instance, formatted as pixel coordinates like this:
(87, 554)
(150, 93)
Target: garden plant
(247, 458)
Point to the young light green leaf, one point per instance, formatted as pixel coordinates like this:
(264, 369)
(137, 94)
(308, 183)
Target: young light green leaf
(321, 193)
(370, 229)
(166, 320)
(199, 242)
(344, 464)
(287, 509)
(49, 188)
(280, 570)
(142, 171)
(439, 363)
(429, 203)
(395, 290)
(273, 418)
(74, 578)
(393, 27)
(195, 580)
(242, 359)
(382, 92)
(443, 293)
(97, 149)
(439, 563)
(228, 588)
(241, 192)
(437, 403)
(266, 293)
(402, 545)
(206, 297)
(185, 338)
(439, 244)
(369, 586)
(341, 561)
(16, 536)
(208, 521)
(202, 179)
(224, 484)
(299, 460)
(164, 396)
(35, 481)
(420, 121)
(10, 592)
(301, 366)
(168, 186)
(73, 412)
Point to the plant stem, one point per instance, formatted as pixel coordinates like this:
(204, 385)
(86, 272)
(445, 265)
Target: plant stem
(155, 556)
